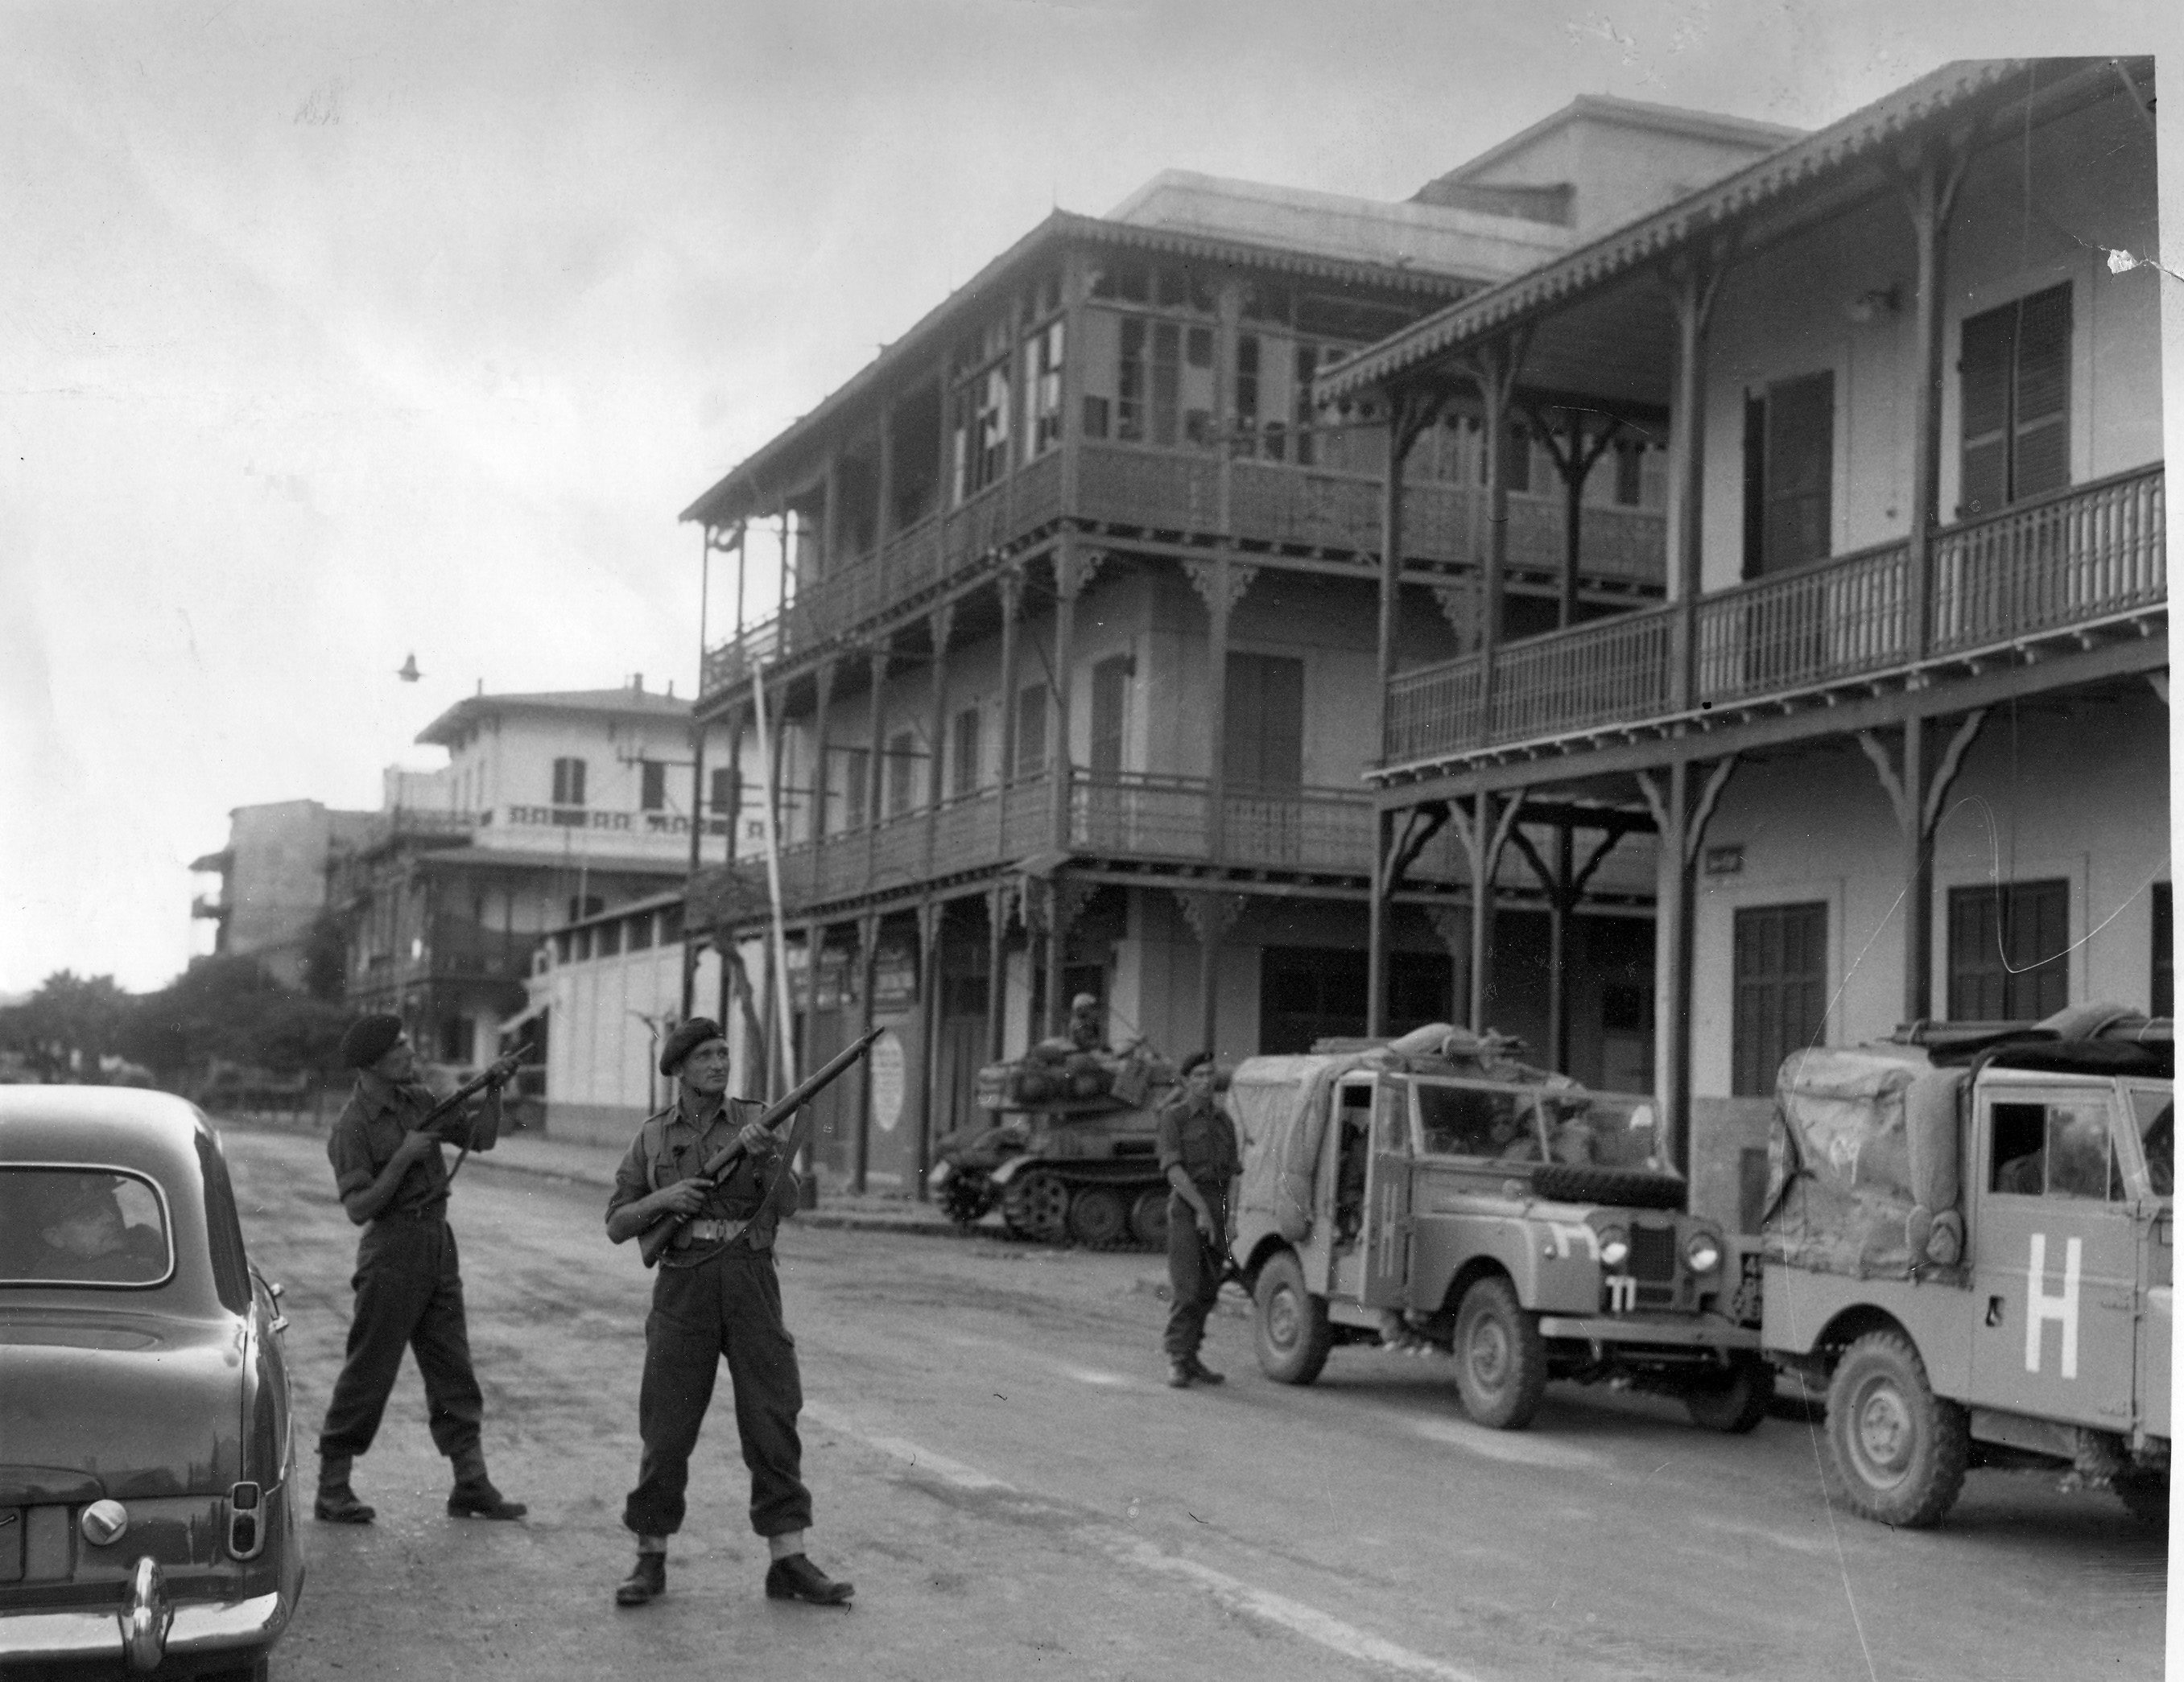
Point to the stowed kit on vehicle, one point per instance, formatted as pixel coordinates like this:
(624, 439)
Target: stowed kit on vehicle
(1440, 1189)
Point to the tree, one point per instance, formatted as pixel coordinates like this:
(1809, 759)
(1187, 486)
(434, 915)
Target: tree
(64, 1028)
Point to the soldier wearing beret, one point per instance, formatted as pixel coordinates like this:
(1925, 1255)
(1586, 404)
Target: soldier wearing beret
(394, 1181)
(716, 1296)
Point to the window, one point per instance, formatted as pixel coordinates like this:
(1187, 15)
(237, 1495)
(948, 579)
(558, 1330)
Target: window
(1031, 730)
(568, 782)
(2060, 1149)
(652, 791)
(967, 765)
(1110, 688)
(86, 1226)
(1148, 381)
(640, 931)
(856, 771)
(1629, 474)
(2015, 373)
(1780, 978)
(2154, 1110)
(724, 789)
(1469, 1121)
(609, 940)
(901, 767)
(1789, 467)
(2006, 947)
(1245, 419)
(1264, 732)
(2163, 990)
(1042, 418)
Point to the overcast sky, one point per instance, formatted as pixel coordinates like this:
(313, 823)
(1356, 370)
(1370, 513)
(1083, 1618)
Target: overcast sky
(329, 333)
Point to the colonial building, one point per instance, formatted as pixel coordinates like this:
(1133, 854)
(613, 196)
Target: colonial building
(273, 882)
(1077, 676)
(1900, 725)
(552, 809)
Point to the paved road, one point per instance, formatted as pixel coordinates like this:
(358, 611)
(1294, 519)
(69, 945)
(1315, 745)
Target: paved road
(999, 1468)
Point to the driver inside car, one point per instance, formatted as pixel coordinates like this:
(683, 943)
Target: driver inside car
(86, 1238)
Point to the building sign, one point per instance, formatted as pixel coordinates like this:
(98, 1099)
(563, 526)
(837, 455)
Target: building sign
(894, 979)
(890, 1081)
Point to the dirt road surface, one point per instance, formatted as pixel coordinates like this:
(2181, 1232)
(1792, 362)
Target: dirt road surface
(999, 1467)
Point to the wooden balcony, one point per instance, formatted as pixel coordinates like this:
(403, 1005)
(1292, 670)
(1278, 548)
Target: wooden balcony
(1133, 818)
(1125, 490)
(2071, 562)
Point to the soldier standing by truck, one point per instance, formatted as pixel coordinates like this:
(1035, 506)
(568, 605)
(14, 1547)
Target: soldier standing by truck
(1198, 1153)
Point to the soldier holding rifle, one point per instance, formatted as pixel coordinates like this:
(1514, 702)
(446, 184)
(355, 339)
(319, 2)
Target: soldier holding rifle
(716, 1296)
(392, 1181)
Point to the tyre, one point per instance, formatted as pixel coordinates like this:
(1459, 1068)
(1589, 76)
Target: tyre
(1097, 1217)
(2146, 1494)
(1735, 1401)
(1290, 1324)
(1501, 1359)
(1617, 1188)
(1897, 1450)
(1036, 1205)
(965, 1197)
(1148, 1217)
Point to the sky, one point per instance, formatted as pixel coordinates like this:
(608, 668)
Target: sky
(334, 333)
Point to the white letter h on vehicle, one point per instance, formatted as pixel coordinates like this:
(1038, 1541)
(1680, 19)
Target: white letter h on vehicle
(2040, 1307)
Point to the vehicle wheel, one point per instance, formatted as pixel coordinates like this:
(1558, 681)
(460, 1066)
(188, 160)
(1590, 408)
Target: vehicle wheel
(1097, 1217)
(965, 1197)
(2146, 1495)
(1036, 1205)
(1149, 1218)
(1735, 1401)
(1500, 1358)
(1290, 1324)
(1898, 1451)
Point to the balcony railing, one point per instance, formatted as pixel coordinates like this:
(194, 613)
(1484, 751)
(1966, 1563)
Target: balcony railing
(2075, 558)
(1198, 494)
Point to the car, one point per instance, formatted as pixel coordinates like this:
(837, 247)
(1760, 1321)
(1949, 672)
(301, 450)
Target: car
(149, 1508)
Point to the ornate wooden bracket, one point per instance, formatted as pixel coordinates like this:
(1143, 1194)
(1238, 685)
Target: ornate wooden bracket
(1566, 896)
(1929, 802)
(1073, 568)
(1484, 847)
(1459, 605)
(1211, 915)
(1420, 825)
(941, 622)
(1690, 826)
(1205, 575)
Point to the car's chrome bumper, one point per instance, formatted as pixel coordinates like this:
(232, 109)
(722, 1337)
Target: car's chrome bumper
(96, 1632)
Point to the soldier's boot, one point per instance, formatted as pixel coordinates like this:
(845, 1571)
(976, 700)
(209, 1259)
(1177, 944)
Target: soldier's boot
(648, 1581)
(337, 1503)
(473, 1496)
(1203, 1374)
(796, 1578)
(1179, 1375)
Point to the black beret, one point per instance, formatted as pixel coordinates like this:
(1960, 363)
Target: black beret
(686, 1039)
(370, 1038)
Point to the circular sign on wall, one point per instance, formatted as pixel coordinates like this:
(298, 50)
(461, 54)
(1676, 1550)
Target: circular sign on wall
(889, 1081)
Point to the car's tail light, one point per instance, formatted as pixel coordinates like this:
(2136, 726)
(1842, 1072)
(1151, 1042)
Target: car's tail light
(246, 1521)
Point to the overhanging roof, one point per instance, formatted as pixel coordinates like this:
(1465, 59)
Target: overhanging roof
(1928, 103)
(744, 486)
(594, 703)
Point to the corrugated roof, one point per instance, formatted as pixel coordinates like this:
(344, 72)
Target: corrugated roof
(748, 477)
(1798, 164)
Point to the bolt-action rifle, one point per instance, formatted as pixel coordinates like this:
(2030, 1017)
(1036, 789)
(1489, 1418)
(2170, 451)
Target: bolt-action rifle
(498, 1073)
(652, 1243)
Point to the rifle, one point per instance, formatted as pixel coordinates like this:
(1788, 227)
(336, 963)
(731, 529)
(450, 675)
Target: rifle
(501, 1070)
(652, 1243)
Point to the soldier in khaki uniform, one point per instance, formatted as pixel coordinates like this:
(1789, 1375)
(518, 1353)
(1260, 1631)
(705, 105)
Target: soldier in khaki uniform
(1198, 1153)
(717, 1296)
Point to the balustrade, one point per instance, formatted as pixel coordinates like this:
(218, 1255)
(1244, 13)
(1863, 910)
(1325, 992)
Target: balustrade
(2075, 558)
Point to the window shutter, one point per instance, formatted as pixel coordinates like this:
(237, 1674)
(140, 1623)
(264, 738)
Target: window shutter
(1110, 689)
(1265, 721)
(1755, 484)
(2042, 420)
(1801, 424)
(1989, 344)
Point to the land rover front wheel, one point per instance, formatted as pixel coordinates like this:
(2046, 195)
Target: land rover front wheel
(1290, 1324)
(1501, 1359)
(1732, 1401)
(1898, 1451)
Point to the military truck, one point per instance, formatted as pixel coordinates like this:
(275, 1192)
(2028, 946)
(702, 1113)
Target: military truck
(1437, 1188)
(1066, 1146)
(1968, 1240)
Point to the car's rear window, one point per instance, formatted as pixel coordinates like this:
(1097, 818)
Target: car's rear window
(82, 1226)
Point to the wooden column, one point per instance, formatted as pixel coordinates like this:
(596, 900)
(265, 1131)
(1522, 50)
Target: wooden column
(1410, 412)
(735, 777)
(1694, 278)
(1575, 455)
(1211, 916)
(1493, 368)
(868, 936)
(941, 622)
(1681, 821)
(1917, 798)
(1220, 583)
(1376, 929)
(777, 724)
(997, 954)
(1483, 830)
(930, 916)
(697, 837)
(1068, 579)
(823, 678)
(1929, 194)
(1010, 584)
(875, 752)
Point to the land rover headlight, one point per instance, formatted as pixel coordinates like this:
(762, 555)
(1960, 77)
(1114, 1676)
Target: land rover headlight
(1614, 1247)
(1703, 1252)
